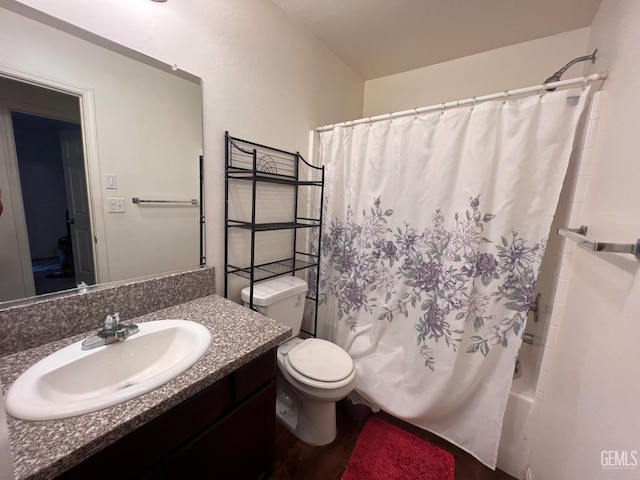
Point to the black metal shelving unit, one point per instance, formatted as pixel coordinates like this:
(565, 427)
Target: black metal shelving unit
(258, 164)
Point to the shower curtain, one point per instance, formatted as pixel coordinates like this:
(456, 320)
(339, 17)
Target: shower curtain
(435, 227)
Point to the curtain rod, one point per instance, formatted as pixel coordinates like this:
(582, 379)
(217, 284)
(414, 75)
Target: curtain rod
(469, 101)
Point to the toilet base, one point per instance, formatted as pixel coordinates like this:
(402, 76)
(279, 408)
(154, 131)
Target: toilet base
(312, 422)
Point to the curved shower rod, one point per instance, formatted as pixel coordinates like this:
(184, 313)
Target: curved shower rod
(556, 76)
(594, 77)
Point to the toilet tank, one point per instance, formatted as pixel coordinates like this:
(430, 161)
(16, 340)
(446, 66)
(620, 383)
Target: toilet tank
(281, 299)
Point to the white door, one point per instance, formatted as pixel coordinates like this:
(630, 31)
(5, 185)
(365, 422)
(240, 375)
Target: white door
(78, 205)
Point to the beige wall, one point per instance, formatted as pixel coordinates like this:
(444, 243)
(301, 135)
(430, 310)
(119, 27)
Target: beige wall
(590, 394)
(263, 78)
(516, 66)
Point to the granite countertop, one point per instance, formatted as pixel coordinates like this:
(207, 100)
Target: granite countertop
(45, 449)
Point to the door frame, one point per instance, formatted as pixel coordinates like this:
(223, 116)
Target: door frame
(91, 158)
(15, 198)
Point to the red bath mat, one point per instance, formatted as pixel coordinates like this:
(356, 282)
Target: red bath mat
(385, 452)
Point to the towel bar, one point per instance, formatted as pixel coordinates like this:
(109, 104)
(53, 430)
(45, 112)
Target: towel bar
(579, 235)
(193, 201)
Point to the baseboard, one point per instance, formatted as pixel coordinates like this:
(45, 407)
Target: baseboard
(527, 474)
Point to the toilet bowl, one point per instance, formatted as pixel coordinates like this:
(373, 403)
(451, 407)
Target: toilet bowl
(313, 374)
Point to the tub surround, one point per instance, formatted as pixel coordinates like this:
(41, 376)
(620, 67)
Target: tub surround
(515, 442)
(46, 449)
(47, 318)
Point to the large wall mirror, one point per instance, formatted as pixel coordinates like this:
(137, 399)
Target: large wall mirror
(86, 126)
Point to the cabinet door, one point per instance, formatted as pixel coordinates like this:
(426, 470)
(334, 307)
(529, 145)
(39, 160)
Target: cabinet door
(138, 451)
(239, 447)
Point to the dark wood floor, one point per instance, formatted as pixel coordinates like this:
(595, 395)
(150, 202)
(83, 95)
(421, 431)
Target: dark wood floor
(296, 460)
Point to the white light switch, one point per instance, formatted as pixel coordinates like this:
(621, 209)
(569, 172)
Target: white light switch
(112, 181)
(115, 205)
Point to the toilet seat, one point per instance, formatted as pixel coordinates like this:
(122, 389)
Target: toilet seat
(320, 364)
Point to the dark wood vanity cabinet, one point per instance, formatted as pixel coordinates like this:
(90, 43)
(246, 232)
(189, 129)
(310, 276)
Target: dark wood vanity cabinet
(227, 431)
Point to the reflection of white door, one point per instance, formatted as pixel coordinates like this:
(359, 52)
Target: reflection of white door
(78, 205)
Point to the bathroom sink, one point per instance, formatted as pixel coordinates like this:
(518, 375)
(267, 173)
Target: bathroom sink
(72, 381)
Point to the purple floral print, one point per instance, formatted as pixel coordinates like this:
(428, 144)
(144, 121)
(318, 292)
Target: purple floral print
(450, 280)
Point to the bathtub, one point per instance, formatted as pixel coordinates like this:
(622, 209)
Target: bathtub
(515, 443)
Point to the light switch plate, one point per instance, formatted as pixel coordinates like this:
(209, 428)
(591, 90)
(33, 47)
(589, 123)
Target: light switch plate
(115, 205)
(112, 181)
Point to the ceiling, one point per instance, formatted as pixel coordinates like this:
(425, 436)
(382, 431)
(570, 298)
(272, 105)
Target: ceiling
(382, 37)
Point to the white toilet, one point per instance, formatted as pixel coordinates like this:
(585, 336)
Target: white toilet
(314, 373)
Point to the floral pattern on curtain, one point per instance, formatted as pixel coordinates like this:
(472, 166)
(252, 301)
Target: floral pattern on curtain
(454, 277)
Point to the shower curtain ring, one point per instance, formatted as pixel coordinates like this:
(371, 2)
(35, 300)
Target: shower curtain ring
(415, 113)
(442, 111)
(473, 103)
(505, 96)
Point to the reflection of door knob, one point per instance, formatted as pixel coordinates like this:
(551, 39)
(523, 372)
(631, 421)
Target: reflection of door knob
(71, 220)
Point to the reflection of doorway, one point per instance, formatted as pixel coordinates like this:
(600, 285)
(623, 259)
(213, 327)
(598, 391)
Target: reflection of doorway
(53, 185)
(26, 93)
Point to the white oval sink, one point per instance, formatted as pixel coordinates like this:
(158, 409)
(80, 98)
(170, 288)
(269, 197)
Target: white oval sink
(72, 381)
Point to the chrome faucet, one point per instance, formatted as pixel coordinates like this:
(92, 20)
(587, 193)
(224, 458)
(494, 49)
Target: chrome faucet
(112, 331)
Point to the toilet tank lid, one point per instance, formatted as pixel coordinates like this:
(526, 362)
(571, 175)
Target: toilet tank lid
(272, 291)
